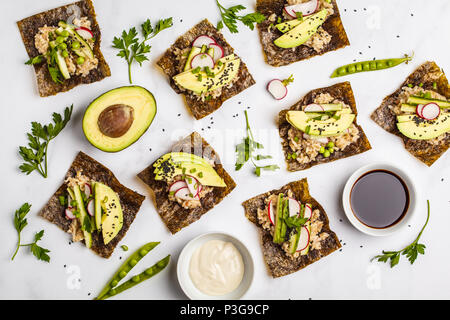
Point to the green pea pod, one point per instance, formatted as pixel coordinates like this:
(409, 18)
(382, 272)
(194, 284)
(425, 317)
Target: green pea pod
(147, 274)
(126, 267)
(371, 65)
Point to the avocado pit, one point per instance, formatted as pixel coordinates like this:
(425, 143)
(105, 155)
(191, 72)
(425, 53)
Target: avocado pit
(116, 120)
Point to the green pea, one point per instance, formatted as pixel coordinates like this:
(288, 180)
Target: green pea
(143, 252)
(359, 67)
(366, 66)
(330, 144)
(76, 45)
(136, 278)
(331, 149)
(114, 283)
(62, 46)
(80, 60)
(112, 292)
(342, 71)
(122, 274)
(421, 84)
(133, 262)
(65, 53)
(351, 69)
(380, 65)
(322, 150)
(294, 156)
(60, 39)
(149, 271)
(390, 63)
(326, 153)
(65, 33)
(373, 65)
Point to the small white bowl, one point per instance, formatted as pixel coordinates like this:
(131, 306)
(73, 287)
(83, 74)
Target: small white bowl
(375, 231)
(184, 261)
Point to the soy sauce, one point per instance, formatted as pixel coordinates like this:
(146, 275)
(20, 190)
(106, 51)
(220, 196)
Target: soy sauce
(379, 199)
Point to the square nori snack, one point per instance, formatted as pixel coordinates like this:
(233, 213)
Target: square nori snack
(29, 28)
(171, 66)
(278, 263)
(386, 118)
(172, 213)
(130, 201)
(342, 91)
(276, 56)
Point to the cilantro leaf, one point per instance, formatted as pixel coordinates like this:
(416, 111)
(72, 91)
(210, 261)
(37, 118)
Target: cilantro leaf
(231, 15)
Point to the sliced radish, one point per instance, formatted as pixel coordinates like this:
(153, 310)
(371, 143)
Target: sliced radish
(303, 242)
(271, 212)
(193, 185)
(177, 185)
(308, 212)
(314, 107)
(91, 208)
(431, 111)
(419, 109)
(306, 8)
(69, 214)
(322, 140)
(294, 207)
(218, 51)
(202, 60)
(85, 33)
(87, 190)
(277, 89)
(185, 194)
(203, 40)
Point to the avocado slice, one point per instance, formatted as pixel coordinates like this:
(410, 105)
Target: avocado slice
(302, 32)
(280, 225)
(180, 157)
(194, 51)
(421, 129)
(112, 218)
(83, 216)
(119, 117)
(408, 108)
(419, 100)
(288, 25)
(224, 72)
(330, 127)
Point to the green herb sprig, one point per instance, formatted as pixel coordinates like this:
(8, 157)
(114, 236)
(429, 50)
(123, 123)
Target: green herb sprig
(245, 151)
(36, 60)
(131, 49)
(20, 222)
(411, 252)
(230, 17)
(35, 155)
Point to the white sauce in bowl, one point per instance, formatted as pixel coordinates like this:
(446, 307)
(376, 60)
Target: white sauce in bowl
(216, 268)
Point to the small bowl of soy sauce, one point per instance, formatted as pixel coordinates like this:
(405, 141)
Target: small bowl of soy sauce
(379, 199)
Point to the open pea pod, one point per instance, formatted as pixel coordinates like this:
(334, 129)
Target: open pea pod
(126, 267)
(145, 275)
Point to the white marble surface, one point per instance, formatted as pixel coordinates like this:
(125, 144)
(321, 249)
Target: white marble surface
(385, 29)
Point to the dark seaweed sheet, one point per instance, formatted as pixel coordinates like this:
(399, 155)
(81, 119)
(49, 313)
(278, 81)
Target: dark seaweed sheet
(276, 56)
(387, 119)
(278, 263)
(29, 27)
(171, 212)
(169, 64)
(130, 201)
(342, 91)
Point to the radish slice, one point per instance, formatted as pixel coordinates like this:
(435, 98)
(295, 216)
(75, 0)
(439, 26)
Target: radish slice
(87, 190)
(185, 194)
(193, 185)
(85, 33)
(306, 8)
(303, 242)
(322, 140)
(218, 51)
(202, 60)
(308, 212)
(271, 212)
(203, 40)
(277, 89)
(431, 111)
(419, 109)
(314, 107)
(177, 185)
(69, 214)
(294, 207)
(91, 208)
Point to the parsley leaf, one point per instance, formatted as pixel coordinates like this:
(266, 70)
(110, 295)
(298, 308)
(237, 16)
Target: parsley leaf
(411, 252)
(36, 60)
(245, 151)
(35, 155)
(20, 222)
(295, 221)
(131, 49)
(231, 15)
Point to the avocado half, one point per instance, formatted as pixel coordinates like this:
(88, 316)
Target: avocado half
(119, 117)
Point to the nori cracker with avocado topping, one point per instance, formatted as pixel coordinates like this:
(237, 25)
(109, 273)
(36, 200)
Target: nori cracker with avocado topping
(278, 262)
(173, 61)
(342, 91)
(29, 27)
(130, 201)
(276, 56)
(172, 213)
(424, 76)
